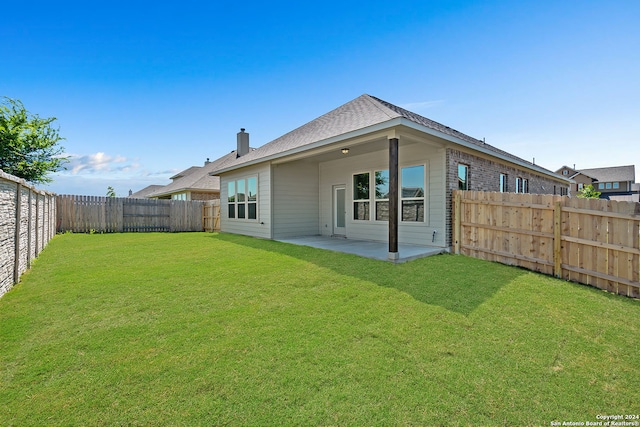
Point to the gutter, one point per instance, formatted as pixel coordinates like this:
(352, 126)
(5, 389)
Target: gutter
(398, 121)
(450, 138)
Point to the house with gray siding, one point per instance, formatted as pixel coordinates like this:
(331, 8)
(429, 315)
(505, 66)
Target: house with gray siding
(368, 170)
(613, 182)
(194, 183)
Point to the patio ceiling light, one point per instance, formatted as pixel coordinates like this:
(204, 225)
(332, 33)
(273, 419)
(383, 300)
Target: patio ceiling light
(345, 151)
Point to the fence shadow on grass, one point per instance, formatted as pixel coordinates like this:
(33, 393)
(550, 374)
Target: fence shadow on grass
(456, 283)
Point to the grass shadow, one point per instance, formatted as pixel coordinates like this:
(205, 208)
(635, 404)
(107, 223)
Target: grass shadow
(456, 283)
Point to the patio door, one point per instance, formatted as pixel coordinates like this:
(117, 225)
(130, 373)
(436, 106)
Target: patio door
(339, 210)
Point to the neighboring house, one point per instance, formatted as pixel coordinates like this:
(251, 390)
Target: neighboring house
(635, 190)
(144, 193)
(615, 183)
(194, 183)
(333, 176)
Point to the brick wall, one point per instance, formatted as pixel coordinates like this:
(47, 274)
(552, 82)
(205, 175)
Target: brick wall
(27, 223)
(484, 175)
(205, 196)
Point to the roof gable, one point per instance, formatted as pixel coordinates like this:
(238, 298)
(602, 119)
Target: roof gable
(363, 112)
(146, 191)
(185, 172)
(359, 113)
(612, 174)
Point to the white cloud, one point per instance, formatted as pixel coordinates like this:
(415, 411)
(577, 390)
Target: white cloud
(91, 174)
(421, 105)
(99, 162)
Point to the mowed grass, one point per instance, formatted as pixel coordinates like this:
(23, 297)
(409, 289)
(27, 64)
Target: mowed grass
(214, 329)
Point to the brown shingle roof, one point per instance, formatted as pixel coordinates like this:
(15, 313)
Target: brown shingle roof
(144, 193)
(361, 113)
(196, 178)
(612, 174)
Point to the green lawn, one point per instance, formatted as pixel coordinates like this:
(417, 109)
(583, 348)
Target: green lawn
(213, 329)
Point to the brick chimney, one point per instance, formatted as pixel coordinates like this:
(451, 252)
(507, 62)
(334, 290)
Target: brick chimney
(243, 143)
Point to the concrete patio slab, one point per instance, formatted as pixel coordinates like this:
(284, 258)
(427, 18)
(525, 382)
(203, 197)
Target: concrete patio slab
(367, 249)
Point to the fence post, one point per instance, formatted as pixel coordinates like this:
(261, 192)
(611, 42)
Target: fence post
(557, 244)
(16, 261)
(29, 229)
(458, 221)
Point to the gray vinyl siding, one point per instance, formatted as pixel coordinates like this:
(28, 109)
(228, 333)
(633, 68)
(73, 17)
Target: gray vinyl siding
(257, 228)
(340, 172)
(295, 200)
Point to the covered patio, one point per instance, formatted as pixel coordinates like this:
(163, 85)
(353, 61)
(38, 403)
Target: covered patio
(365, 248)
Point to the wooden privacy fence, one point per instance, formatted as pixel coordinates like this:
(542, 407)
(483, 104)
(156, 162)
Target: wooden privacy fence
(85, 214)
(590, 241)
(211, 215)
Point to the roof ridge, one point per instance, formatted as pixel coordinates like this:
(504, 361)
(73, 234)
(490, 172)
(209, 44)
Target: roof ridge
(379, 104)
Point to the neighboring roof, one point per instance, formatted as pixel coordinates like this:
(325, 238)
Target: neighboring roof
(570, 171)
(196, 178)
(363, 112)
(612, 174)
(584, 174)
(142, 194)
(186, 172)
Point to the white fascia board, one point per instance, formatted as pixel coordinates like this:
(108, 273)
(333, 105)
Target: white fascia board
(318, 144)
(385, 125)
(481, 149)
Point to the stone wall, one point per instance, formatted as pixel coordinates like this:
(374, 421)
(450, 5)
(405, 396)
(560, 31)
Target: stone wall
(27, 223)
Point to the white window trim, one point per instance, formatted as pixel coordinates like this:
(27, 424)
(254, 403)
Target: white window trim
(466, 167)
(518, 185)
(373, 213)
(246, 201)
(354, 200)
(424, 198)
(372, 198)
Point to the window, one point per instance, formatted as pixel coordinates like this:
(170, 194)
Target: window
(580, 186)
(412, 193)
(361, 196)
(522, 185)
(565, 172)
(463, 175)
(382, 195)
(616, 185)
(242, 198)
(518, 185)
(608, 186)
(231, 199)
(252, 198)
(503, 182)
(601, 186)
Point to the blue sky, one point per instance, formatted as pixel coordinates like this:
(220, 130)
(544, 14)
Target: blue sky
(144, 89)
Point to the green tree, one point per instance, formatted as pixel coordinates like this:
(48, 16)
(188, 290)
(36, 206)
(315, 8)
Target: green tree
(28, 144)
(111, 192)
(588, 192)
